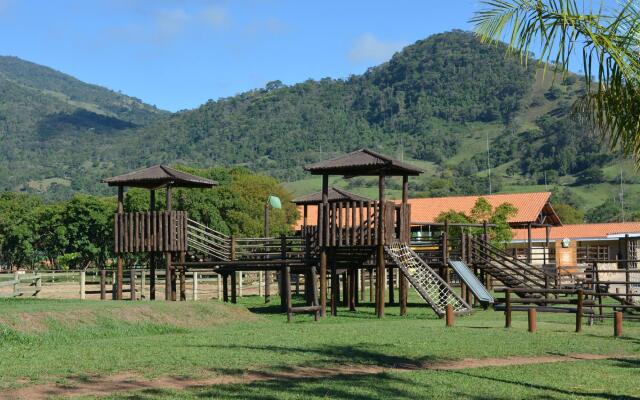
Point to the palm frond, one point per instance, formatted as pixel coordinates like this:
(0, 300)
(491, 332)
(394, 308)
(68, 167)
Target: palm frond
(608, 41)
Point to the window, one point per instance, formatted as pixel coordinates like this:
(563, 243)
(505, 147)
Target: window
(590, 253)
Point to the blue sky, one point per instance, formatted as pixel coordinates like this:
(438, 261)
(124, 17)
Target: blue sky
(179, 54)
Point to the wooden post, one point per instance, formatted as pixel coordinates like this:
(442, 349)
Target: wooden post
(529, 243)
(119, 261)
(353, 292)
(152, 255)
(183, 278)
(195, 286)
(392, 297)
(234, 287)
(38, 285)
(219, 287)
(170, 277)
(267, 274)
(322, 233)
(380, 267)
(142, 283)
(579, 310)
(285, 294)
(225, 287)
(617, 324)
(533, 326)
(287, 288)
(240, 284)
(335, 291)
(82, 285)
(507, 310)
(362, 283)
(132, 283)
(260, 283)
(314, 291)
(103, 284)
(449, 315)
(371, 285)
(16, 283)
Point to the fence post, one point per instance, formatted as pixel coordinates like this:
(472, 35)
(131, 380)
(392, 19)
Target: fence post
(579, 311)
(132, 283)
(103, 284)
(449, 315)
(195, 286)
(82, 285)
(532, 314)
(260, 283)
(38, 285)
(240, 283)
(285, 284)
(617, 324)
(507, 309)
(219, 284)
(142, 282)
(16, 282)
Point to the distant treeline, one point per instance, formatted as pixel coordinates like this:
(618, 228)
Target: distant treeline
(78, 233)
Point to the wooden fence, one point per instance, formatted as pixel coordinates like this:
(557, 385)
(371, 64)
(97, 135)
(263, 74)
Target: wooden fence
(22, 285)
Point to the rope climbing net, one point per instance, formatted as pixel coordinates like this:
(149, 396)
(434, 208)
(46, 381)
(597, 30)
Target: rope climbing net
(433, 289)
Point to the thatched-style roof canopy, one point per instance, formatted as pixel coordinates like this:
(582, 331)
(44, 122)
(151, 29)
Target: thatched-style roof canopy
(362, 163)
(159, 176)
(335, 194)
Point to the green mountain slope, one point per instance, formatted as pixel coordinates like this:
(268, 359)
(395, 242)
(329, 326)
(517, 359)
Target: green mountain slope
(54, 127)
(436, 102)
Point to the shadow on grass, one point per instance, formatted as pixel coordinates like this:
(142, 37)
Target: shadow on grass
(334, 354)
(559, 391)
(353, 387)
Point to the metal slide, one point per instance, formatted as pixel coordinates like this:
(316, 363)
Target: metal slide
(473, 283)
(431, 287)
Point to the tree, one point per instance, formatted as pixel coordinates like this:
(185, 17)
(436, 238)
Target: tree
(607, 40)
(569, 214)
(500, 233)
(590, 175)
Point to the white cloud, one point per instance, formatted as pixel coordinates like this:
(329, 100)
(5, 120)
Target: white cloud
(216, 17)
(368, 48)
(169, 23)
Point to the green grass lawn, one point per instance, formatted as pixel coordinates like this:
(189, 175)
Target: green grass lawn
(63, 339)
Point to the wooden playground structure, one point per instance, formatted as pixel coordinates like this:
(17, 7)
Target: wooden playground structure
(352, 237)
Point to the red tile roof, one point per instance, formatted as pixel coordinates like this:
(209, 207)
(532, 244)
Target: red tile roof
(580, 231)
(529, 206)
(426, 210)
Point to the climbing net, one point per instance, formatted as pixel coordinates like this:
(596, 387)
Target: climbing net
(426, 281)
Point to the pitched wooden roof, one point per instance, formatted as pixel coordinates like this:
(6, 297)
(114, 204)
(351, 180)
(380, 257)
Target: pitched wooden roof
(159, 176)
(530, 206)
(334, 193)
(582, 231)
(363, 162)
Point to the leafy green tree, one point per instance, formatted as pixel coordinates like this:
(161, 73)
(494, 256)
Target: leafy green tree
(500, 233)
(568, 214)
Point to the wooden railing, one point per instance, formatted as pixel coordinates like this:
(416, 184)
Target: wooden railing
(22, 285)
(150, 231)
(356, 223)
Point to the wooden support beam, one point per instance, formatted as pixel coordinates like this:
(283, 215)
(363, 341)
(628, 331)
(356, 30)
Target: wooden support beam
(380, 265)
(322, 233)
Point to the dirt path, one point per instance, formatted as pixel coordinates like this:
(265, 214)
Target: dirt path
(106, 385)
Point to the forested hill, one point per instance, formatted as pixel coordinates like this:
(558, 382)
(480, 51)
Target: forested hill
(435, 102)
(54, 128)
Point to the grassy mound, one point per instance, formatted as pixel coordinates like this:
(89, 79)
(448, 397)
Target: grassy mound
(26, 316)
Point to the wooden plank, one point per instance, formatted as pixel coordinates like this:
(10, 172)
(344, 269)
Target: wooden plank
(353, 223)
(125, 233)
(368, 227)
(333, 224)
(347, 211)
(116, 231)
(339, 230)
(130, 223)
(361, 227)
